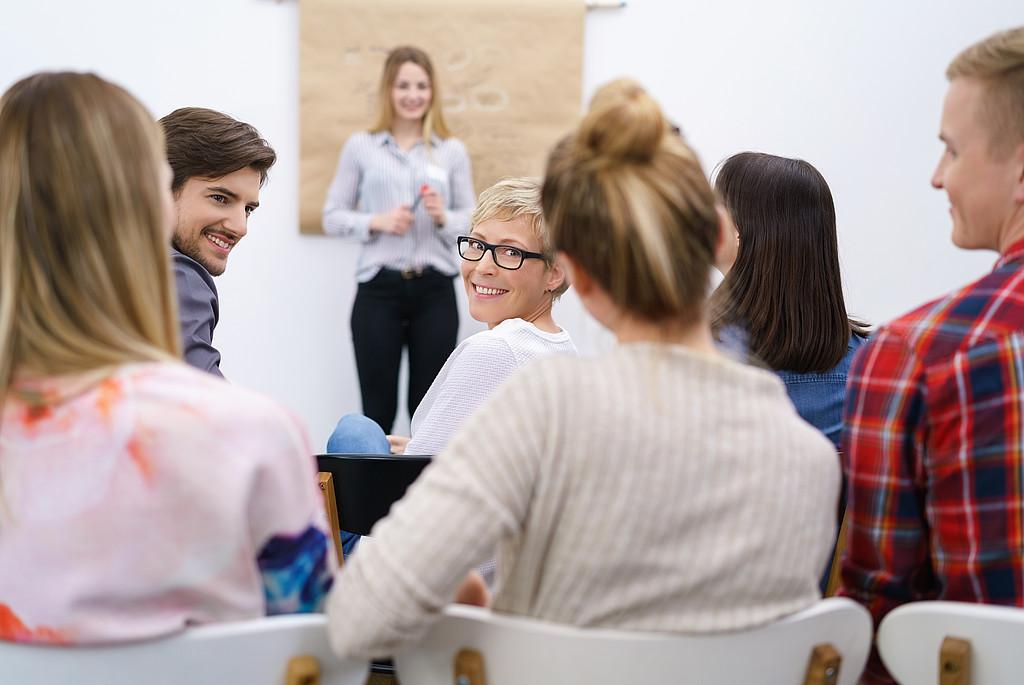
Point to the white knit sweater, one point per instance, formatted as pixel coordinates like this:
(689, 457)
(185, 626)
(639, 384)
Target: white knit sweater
(654, 488)
(474, 370)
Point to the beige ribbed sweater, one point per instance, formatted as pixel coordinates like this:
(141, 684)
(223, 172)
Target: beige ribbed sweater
(653, 488)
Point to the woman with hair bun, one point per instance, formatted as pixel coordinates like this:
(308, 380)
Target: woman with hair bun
(660, 487)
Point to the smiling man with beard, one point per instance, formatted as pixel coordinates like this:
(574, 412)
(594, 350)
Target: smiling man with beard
(219, 165)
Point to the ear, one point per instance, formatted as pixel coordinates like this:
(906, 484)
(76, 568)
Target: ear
(595, 300)
(727, 245)
(1018, 191)
(581, 281)
(556, 276)
(723, 223)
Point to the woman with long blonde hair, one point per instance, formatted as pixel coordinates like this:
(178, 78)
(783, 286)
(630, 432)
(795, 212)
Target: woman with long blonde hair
(404, 189)
(139, 496)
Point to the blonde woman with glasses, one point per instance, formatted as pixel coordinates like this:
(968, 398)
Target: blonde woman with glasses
(511, 279)
(659, 487)
(139, 496)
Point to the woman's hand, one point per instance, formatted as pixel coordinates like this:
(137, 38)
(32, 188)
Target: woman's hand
(434, 204)
(398, 443)
(397, 221)
(473, 591)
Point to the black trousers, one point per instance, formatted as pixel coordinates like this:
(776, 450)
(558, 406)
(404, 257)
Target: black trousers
(396, 310)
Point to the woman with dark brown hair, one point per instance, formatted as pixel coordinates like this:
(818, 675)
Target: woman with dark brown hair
(781, 301)
(404, 189)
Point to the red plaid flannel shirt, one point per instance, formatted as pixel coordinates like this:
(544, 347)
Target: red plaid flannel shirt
(933, 452)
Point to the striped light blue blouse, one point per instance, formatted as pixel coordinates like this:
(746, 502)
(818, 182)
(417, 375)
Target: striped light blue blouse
(374, 176)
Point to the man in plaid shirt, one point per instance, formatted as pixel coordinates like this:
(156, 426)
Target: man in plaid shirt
(934, 440)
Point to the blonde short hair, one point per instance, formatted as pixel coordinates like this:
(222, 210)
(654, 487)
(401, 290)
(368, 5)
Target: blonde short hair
(628, 201)
(512, 198)
(85, 279)
(997, 61)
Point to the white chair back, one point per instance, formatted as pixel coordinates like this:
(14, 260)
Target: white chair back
(257, 652)
(910, 640)
(512, 651)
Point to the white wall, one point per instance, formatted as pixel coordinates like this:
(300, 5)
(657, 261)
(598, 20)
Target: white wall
(855, 88)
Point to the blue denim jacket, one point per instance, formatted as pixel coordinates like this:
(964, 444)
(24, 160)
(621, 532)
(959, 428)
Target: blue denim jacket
(818, 397)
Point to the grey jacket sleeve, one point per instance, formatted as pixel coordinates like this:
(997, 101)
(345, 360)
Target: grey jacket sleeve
(198, 311)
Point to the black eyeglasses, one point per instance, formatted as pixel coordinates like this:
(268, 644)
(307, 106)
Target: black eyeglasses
(507, 257)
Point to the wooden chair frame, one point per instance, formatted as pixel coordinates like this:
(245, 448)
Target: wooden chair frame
(331, 507)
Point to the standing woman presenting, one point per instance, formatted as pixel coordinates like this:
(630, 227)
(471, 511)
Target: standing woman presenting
(405, 190)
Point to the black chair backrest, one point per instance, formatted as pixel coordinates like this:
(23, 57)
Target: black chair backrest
(366, 485)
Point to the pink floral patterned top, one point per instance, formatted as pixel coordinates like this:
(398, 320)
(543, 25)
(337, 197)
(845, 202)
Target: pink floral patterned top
(136, 503)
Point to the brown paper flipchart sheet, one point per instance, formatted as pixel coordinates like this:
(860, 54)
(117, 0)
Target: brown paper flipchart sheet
(509, 71)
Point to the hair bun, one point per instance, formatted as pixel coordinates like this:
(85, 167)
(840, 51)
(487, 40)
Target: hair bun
(624, 123)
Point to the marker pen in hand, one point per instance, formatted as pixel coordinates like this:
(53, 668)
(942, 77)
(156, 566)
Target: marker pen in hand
(415, 203)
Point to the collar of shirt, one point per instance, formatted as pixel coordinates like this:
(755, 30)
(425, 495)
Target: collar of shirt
(385, 138)
(1013, 253)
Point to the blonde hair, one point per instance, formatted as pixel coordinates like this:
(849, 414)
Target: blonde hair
(997, 61)
(85, 282)
(433, 121)
(629, 202)
(512, 198)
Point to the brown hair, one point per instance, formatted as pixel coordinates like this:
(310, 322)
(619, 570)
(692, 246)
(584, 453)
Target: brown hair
(85, 280)
(997, 61)
(785, 291)
(207, 144)
(433, 121)
(629, 202)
